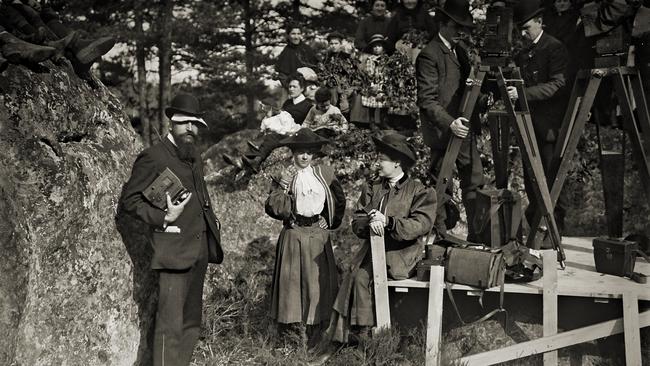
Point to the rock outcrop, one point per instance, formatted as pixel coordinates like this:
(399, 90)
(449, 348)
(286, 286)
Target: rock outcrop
(72, 292)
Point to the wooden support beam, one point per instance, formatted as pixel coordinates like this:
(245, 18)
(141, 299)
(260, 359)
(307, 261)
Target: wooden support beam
(434, 315)
(632, 330)
(380, 281)
(552, 343)
(550, 302)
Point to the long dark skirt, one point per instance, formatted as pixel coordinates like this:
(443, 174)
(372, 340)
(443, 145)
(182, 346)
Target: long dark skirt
(305, 279)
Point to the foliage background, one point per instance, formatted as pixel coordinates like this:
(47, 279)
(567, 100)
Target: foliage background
(223, 52)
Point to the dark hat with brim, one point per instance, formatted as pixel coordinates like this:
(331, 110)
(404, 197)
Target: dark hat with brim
(304, 138)
(526, 10)
(185, 104)
(374, 39)
(458, 11)
(393, 144)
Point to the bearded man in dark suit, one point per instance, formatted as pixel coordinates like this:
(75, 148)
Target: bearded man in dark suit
(185, 236)
(441, 70)
(543, 64)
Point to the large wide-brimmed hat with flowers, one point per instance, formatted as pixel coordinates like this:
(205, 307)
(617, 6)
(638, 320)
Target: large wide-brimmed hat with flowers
(304, 138)
(394, 144)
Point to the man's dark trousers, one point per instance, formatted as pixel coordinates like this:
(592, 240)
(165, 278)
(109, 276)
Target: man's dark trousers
(470, 173)
(546, 154)
(178, 320)
(543, 67)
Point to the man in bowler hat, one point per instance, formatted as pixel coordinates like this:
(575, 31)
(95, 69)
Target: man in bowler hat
(441, 70)
(543, 65)
(185, 236)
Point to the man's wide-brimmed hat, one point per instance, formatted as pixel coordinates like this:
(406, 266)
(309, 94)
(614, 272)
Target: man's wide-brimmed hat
(186, 104)
(374, 39)
(185, 107)
(458, 11)
(304, 138)
(524, 11)
(394, 143)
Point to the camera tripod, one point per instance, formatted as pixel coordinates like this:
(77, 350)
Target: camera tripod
(629, 90)
(518, 112)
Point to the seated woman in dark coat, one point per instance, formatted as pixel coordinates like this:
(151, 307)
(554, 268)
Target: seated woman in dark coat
(397, 207)
(310, 202)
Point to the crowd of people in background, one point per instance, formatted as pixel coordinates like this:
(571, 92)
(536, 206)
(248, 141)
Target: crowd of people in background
(550, 46)
(323, 97)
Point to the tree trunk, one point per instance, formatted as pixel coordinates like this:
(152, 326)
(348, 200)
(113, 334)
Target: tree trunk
(165, 63)
(249, 31)
(140, 55)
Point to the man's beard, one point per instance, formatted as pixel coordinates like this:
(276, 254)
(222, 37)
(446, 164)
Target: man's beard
(187, 150)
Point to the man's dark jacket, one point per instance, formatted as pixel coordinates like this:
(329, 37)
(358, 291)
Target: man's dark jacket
(175, 251)
(543, 67)
(441, 81)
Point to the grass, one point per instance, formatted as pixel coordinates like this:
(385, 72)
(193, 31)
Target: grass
(238, 330)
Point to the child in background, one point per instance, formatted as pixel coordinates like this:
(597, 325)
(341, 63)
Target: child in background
(373, 96)
(324, 118)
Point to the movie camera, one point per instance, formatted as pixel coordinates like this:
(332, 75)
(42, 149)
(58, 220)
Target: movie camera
(496, 49)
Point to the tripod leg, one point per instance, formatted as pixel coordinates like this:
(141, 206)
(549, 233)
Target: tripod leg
(641, 108)
(631, 127)
(500, 136)
(468, 102)
(582, 99)
(532, 160)
(612, 168)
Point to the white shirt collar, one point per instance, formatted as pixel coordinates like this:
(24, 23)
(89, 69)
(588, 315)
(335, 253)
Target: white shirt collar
(538, 37)
(298, 99)
(445, 42)
(392, 181)
(171, 138)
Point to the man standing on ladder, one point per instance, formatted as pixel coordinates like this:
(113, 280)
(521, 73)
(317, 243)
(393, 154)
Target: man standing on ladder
(543, 65)
(441, 70)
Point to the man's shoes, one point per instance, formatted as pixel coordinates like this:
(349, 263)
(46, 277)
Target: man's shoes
(236, 162)
(253, 164)
(61, 45)
(253, 146)
(18, 51)
(87, 51)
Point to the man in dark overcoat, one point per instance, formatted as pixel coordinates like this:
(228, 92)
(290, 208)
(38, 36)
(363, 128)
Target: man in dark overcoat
(543, 64)
(441, 70)
(185, 236)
